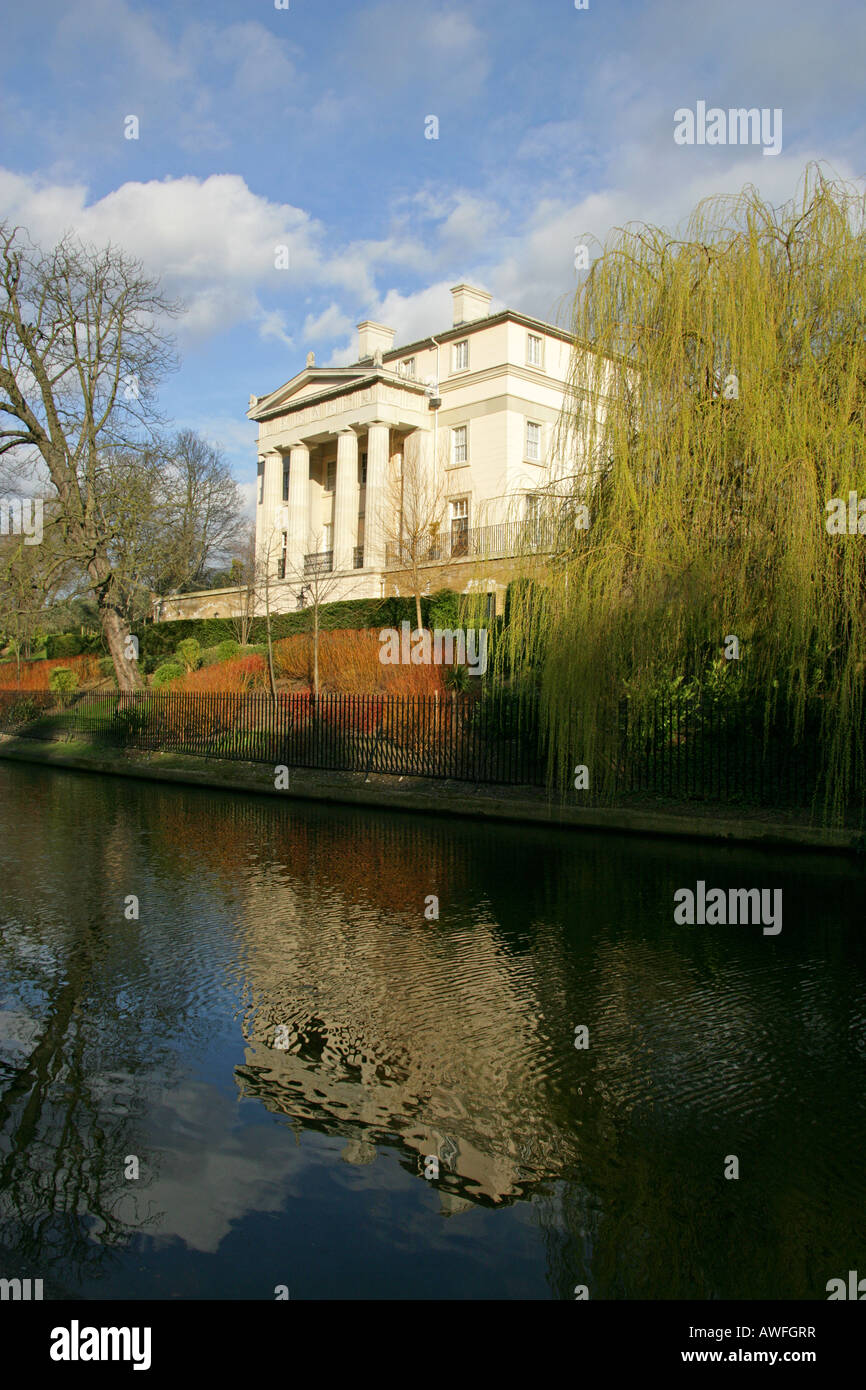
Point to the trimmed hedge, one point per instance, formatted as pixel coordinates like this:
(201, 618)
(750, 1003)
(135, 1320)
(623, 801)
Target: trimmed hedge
(158, 640)
(73, 644)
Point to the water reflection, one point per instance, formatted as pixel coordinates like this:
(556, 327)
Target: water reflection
(287, 1044)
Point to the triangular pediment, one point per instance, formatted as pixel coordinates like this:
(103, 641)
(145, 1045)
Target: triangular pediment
(312, 381)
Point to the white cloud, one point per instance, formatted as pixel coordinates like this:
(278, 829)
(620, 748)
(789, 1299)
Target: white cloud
(328, 325)
(212, 241)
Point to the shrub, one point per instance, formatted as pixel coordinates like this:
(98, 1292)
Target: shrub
(65, 644)
(456, 679)
(444, 609)
(189, 652)
(131, 721)
(228, 677)
(160, 640)
(349, 664)
(36, 675)
(227, 649)
(20, 711)
(166, 673)
(62, 680)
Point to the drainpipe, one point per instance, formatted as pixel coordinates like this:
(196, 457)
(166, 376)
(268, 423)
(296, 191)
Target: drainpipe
(436, 411)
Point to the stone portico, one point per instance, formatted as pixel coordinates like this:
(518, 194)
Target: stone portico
(324, 475)
(477, 404)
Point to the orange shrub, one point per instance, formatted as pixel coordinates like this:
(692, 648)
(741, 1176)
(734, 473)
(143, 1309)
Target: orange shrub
(349, 664)
(226, 677)
(36, 675)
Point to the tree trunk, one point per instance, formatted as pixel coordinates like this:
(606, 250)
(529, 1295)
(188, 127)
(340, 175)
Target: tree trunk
(114, 626)
(271, 678)
(316, 649)
(116, 632)
(418, 609)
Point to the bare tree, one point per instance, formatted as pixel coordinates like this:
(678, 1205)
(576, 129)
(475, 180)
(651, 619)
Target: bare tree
(33, 578)
(317, 585)
(243, 574)
(201, 504)
(170, 509)
(413, 512)
(81, 352)
(264, 569)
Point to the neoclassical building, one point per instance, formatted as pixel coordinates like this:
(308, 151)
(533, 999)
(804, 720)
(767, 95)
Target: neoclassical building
(474, 407)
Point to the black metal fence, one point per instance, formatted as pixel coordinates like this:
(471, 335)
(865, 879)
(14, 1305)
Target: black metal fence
(488, 740)
(683, 749)
(508, 538)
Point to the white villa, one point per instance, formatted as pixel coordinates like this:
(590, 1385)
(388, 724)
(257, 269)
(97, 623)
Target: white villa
(475, 406)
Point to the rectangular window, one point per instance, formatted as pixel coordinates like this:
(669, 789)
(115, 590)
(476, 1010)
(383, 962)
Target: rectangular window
(328, 536)
(331, 475)
(363, 470)
(285, 480)
(459, 444)
(460, 356)
(534, 350)
(407, 368)
(283, 555)
(460, 526)
(533, 441)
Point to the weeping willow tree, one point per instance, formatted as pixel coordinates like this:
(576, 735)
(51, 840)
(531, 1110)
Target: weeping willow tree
(715, 407)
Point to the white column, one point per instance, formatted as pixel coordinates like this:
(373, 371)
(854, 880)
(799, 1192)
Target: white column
(346, 500)
(378, 438)
(299, 510)
(268, 511)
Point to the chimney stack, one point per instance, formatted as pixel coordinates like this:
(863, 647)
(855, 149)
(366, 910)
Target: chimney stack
(371, 336)
(469, 304)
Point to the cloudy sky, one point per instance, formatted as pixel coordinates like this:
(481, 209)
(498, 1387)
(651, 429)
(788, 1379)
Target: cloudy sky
(306, 126)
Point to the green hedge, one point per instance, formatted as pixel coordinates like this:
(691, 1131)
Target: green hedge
(74, 644)
(158, 640)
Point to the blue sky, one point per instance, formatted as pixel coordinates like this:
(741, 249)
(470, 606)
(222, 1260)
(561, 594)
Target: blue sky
(305, 127)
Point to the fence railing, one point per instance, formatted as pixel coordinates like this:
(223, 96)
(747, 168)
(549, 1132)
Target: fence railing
(509, 538)
(450, 737)
(682, 749)
(319, 562)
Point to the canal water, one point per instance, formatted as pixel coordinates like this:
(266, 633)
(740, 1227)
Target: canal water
(325, 1087)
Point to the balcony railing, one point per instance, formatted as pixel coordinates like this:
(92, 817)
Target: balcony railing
(319, 562)
(480, 542)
